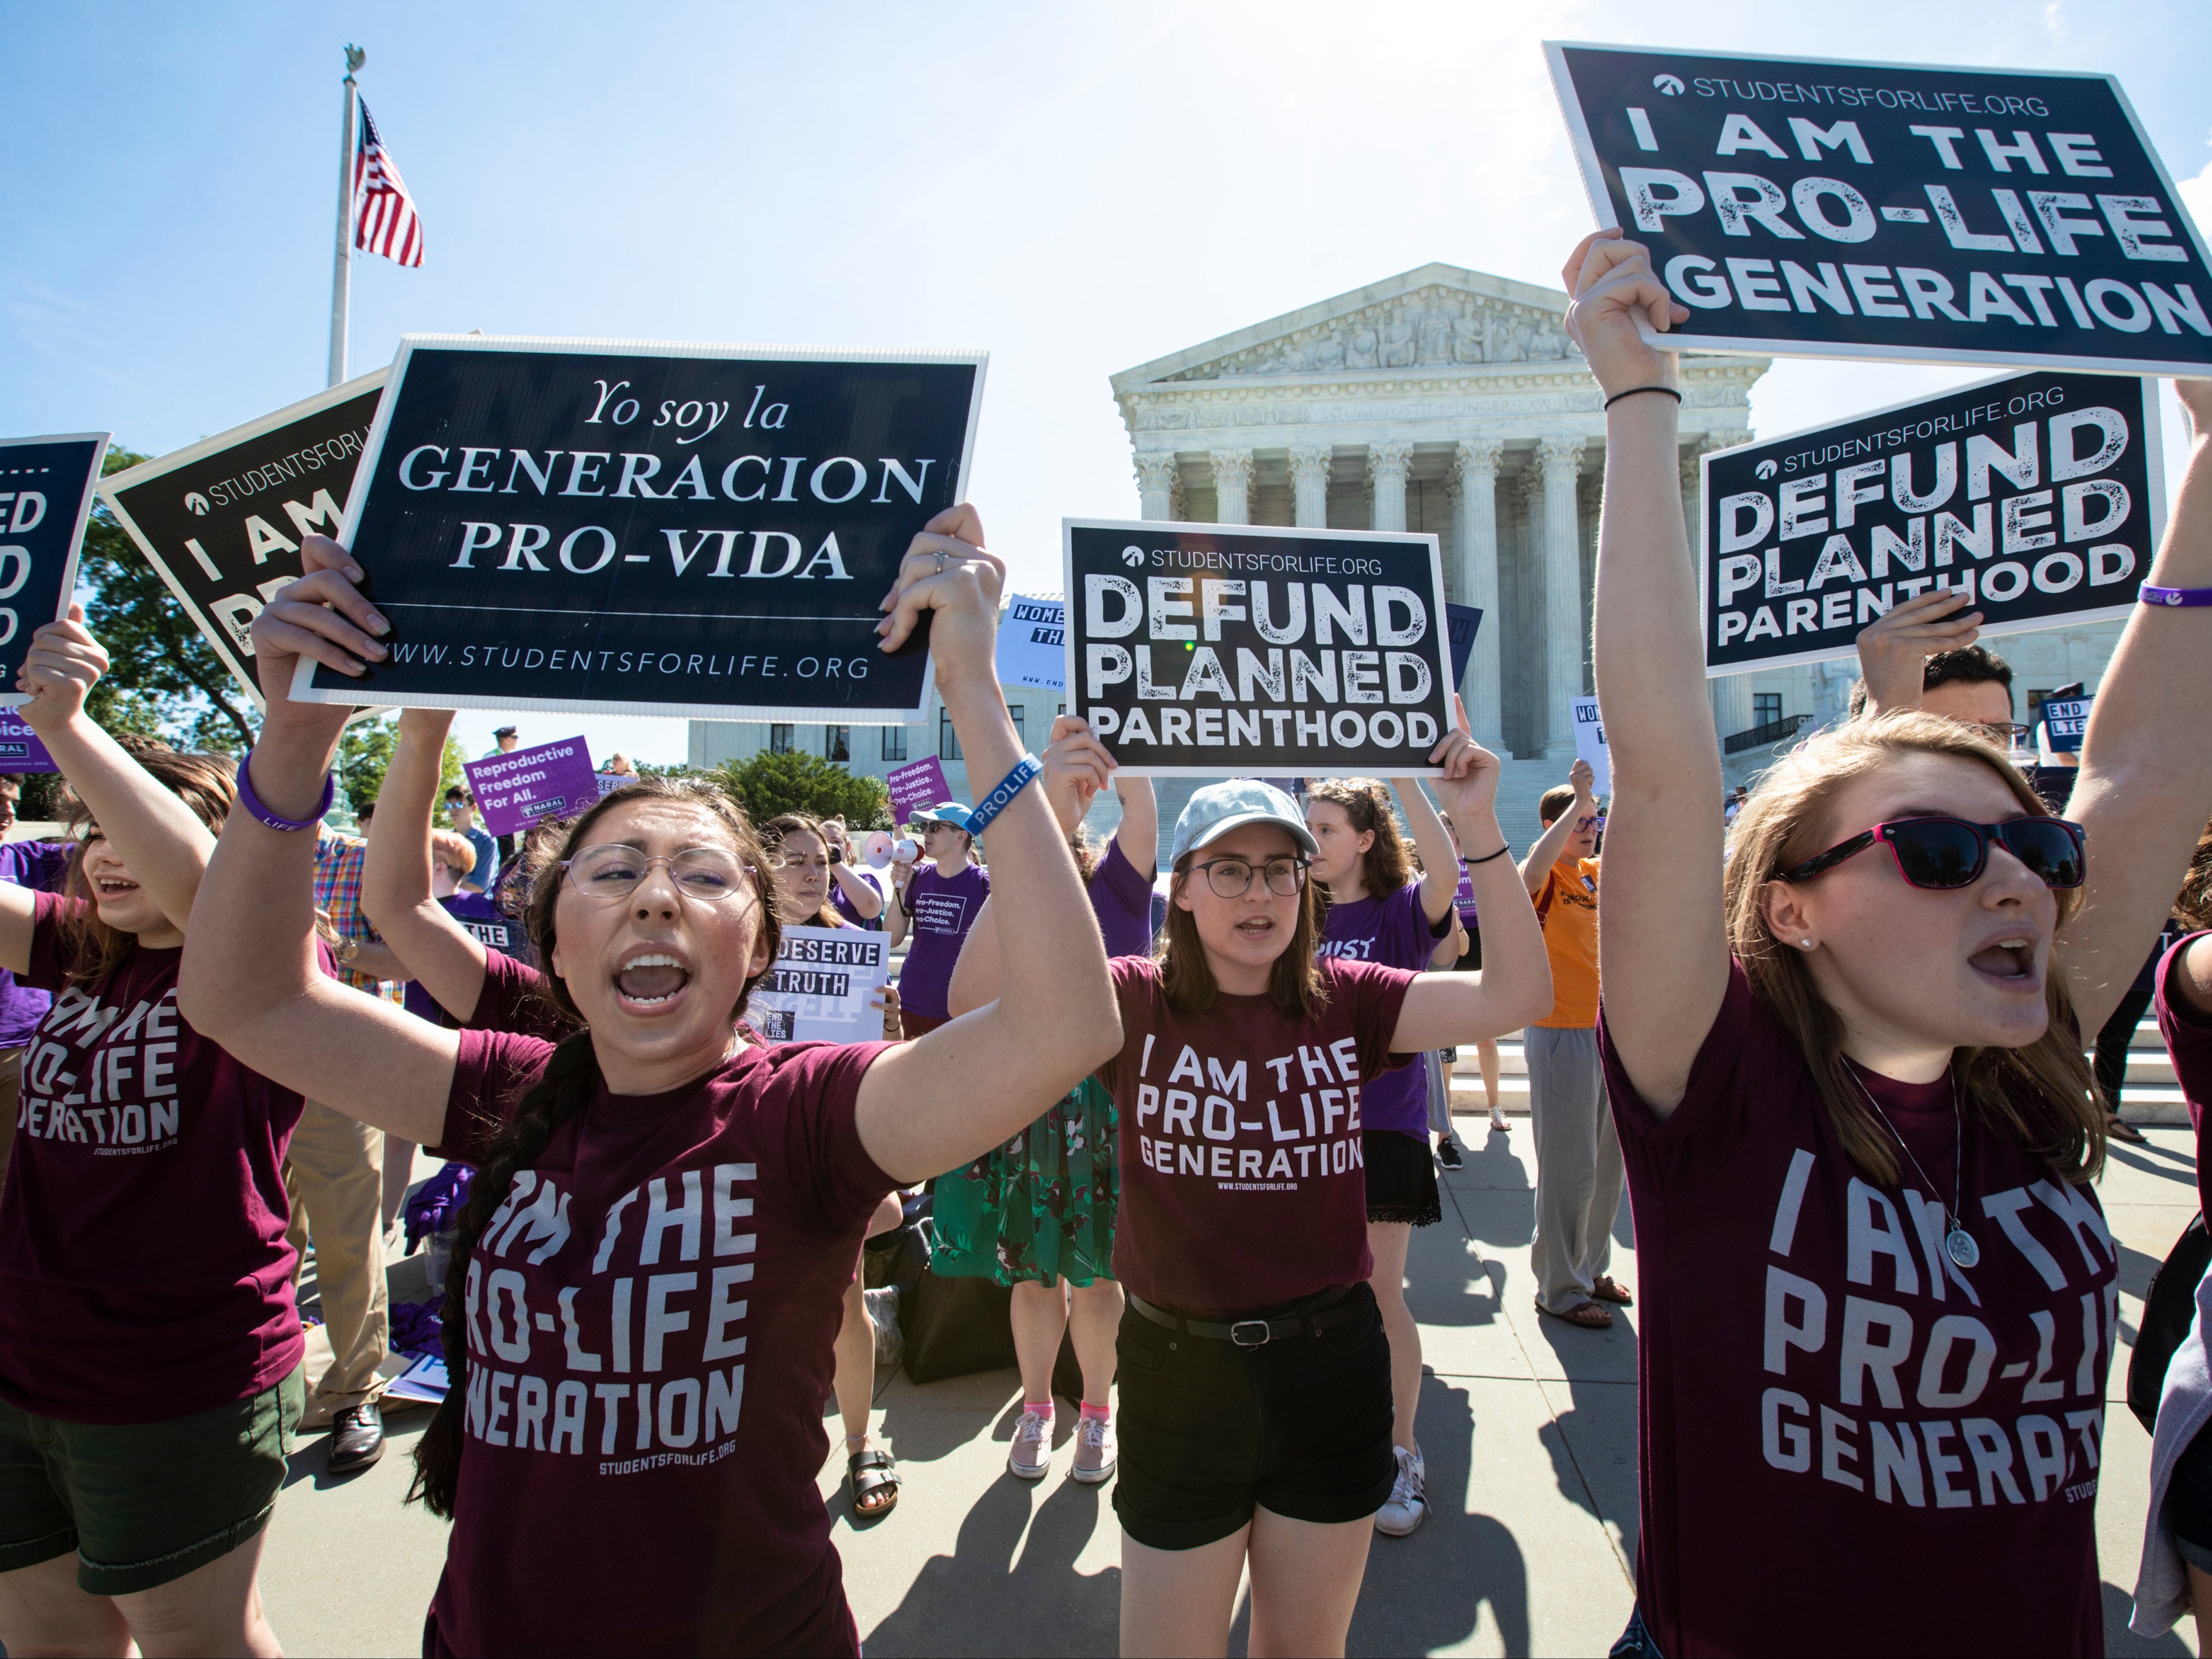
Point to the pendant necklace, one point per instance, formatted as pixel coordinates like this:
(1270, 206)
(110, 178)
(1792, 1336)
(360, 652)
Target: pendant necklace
(1958, 1243)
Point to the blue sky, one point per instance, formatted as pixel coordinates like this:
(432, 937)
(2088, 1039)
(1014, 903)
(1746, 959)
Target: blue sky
(1077, 187)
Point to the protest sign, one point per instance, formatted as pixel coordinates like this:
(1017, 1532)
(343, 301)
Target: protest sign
(2065, 722)
(1032, 648)
(1589, 744)
(1897, 212)
(1464, 621)
(917, 787)
(221, 520)
(2034, 493)
(1197, 650)
(821, 987)
(20, 749)
(639, 528)
(515, 789)
(45, 496)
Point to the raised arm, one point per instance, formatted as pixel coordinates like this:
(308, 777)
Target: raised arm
(1544, 852)
(250, 980)
(865, 898)
(2145, 788)
(1663, 950)
(1895, 648)
(433, 950)
(1138, 834)
(1439, 864)
(928, 1106)
(975, 976)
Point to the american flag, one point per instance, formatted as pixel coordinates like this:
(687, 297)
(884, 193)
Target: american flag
(385, 219)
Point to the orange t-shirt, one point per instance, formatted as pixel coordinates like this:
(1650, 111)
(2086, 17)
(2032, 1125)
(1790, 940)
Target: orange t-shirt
(1568, 906)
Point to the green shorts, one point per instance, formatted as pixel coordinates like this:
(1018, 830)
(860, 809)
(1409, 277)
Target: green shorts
(142, 1503)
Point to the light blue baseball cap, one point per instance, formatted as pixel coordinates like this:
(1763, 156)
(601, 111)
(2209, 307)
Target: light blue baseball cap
(944, 812)
(1218, 809)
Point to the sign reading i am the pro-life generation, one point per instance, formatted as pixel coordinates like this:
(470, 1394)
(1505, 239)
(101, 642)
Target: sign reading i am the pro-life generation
(1892, 211)
(548, 780)
(641, 528)
(1032, 643)
(2035, 494)
(221, 520)
(1193, 650)
(822, 987)
(45, 497)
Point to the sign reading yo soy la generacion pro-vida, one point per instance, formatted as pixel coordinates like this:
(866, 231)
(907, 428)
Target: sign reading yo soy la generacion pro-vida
(1822, 208)
(651, 529)
(221, 520)
(1259, 651)
(45, 497)
(2034, 494)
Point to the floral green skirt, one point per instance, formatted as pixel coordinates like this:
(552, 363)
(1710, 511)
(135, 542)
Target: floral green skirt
(1039, 1207)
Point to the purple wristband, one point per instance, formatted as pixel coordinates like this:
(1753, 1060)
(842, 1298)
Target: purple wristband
(2151, 595)
(251, 801)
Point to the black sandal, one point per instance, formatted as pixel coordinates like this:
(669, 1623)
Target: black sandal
(871, 1471)
(2119, 1128)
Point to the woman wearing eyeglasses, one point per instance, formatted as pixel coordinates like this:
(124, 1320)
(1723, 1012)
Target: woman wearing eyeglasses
(648, 1277)
(1878, 1294)
(1255, 1372)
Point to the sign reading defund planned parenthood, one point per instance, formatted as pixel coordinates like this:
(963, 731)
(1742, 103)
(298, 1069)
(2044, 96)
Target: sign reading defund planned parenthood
(2034, 494)
(651, 529)
(45, 496)
(222, 520)
(1829, 208)
(1255, 651)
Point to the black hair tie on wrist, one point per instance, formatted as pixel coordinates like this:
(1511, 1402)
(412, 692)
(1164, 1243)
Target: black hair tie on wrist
(1486, 858)
(1667, 391)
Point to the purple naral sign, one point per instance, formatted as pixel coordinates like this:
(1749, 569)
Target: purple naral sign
(515, 790)
(19, 748)
(919, 785)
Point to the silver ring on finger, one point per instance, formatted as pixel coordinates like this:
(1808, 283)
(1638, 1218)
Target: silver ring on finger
(940, 562)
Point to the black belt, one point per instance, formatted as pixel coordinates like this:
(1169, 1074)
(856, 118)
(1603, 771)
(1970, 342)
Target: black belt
(1327, 1310)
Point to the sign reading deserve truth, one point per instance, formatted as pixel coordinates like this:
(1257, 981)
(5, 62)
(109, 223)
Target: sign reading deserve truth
(1892, 211)
(822, 987)
(1193, 650)
(222, 519)
(2033, 495)
(641, 528)
(45, 497)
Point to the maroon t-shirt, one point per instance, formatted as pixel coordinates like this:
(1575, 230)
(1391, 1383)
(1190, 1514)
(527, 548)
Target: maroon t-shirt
(519, 998)
(636, 1477)
(1846, 1444)
(2189, 1040)
(143, 1270)
(1244, 1177)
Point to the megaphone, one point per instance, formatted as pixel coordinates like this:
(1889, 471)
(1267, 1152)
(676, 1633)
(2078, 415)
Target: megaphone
(904, 852)
(876, 848)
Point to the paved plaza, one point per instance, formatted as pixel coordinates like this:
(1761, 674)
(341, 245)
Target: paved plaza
(1528, 1426)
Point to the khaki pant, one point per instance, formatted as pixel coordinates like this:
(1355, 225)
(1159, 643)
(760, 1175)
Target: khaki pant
(334, 1175)
(1579, 1173)
(11, 1092)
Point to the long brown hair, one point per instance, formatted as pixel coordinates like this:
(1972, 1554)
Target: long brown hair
(1294, 984)
(1388, 863)
(2193, 907)
(772, 834)
(567, 1085)
(2039, 1094)
(208, 784)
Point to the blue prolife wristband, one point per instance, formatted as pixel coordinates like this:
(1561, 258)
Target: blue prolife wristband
(1000, 798)
(251, 801)
(2151, 595)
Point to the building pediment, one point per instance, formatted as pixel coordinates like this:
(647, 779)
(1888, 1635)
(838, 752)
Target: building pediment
(1438, 316)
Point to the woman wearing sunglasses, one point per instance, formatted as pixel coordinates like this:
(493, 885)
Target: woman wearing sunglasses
(647, 1282)
(1255, 1385)
(1878, 1295)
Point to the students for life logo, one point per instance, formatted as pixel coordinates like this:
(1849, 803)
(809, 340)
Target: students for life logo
(196, 504)
(1669, 85)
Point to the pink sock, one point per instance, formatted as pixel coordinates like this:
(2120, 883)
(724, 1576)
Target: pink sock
(1041, 1407)
(1098, 1413)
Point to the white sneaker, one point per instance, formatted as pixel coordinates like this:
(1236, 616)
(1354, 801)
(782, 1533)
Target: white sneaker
(1096, 1451)
(1407, 1504)
(1030, 1455)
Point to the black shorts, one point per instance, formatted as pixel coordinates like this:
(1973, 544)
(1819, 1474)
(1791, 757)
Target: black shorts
(1401, 1179)
(2188, 1510)
(1209, 1431)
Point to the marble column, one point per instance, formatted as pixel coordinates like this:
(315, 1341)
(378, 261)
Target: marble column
(1477, 553)
(1309, 486)
(1232, 486)
(1561, 460)
(1385, 471)
(1731, 695)
(1155, 481)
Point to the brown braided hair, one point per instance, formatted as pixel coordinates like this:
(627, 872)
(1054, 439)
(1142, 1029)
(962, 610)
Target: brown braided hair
(566, 1086)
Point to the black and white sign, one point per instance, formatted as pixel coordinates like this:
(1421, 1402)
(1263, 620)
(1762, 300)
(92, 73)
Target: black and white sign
(2035, 494)
(1033, 643)
(222, 519)
(822, 987)
(45, 497)
(650, 528)
(1892, 211)
(2066, 721)
(1193, 650)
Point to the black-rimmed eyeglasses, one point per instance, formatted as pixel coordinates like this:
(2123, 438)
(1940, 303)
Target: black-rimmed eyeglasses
(1231, 878)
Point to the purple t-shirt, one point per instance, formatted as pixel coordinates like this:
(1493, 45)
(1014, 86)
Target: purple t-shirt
(1392, 931)
(491, 927)
(1121, 895)
(842, 902)
(2189, 1040)
(40, 866)
(942, 913)
(1819, 1381)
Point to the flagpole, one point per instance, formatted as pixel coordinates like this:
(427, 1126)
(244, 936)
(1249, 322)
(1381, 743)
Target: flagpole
(342, 267)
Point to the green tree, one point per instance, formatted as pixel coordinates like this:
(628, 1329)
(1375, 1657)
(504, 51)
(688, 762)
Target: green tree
(364, 755)
(773, 784)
